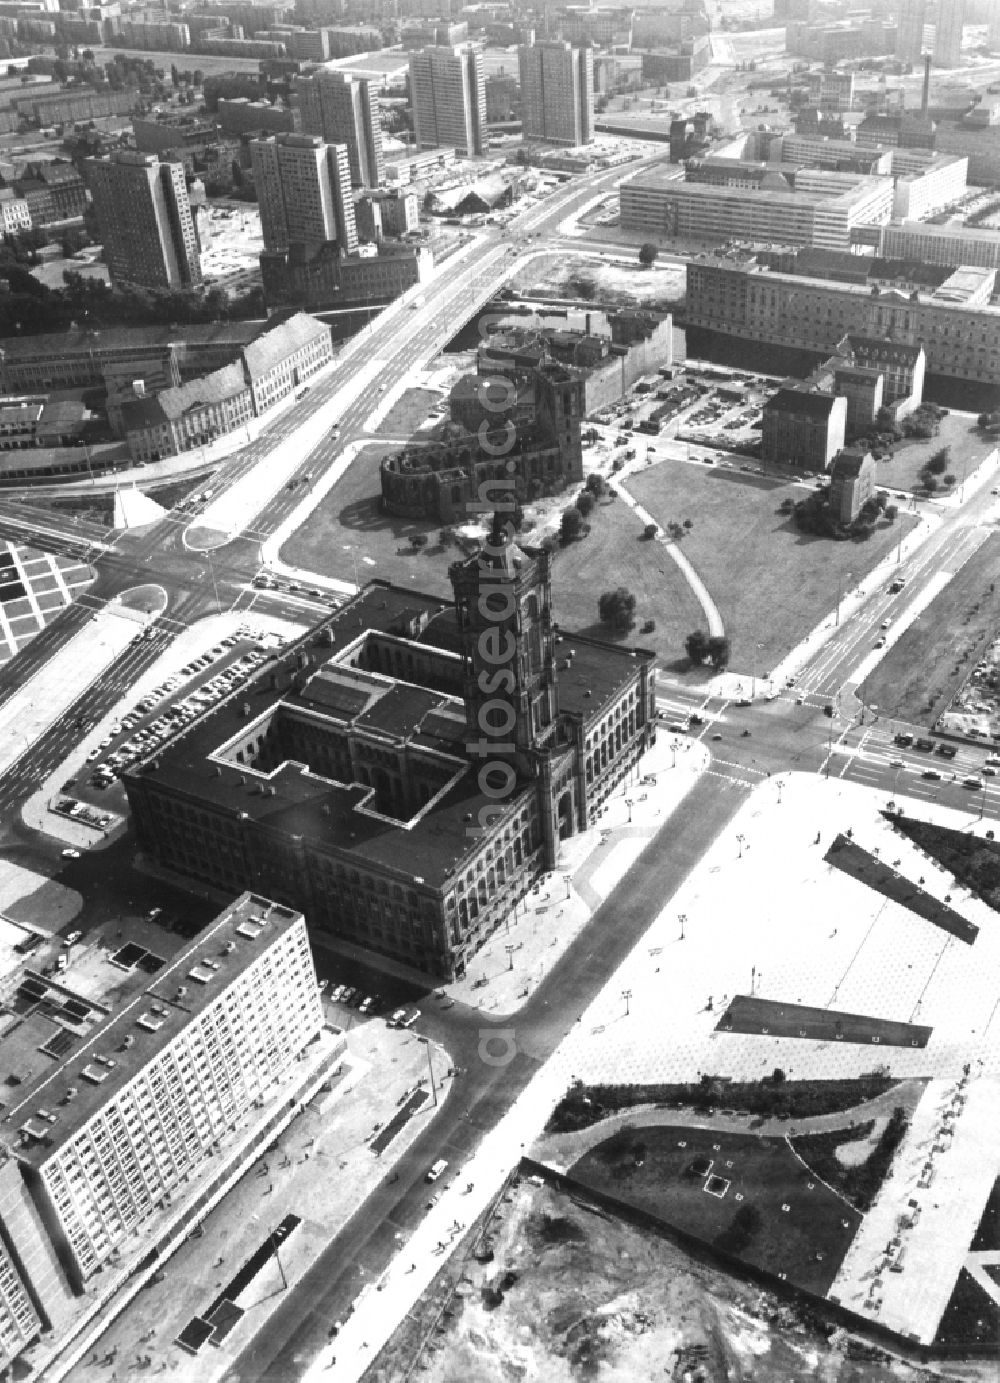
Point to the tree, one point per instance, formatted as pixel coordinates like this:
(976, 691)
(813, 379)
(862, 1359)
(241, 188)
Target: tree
(648, 253)
(596, 484)
(689, 524)
(938, 463)
(696, 646)
(617, 608)
(650, 532)
(948, 480)
(585, 503)
(718, 651)
(571, 525)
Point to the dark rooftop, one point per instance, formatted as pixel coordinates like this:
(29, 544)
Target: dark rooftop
(113, 1054)
(800, 401)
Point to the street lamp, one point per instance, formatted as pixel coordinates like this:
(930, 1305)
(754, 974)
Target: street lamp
(628, 803)
(840, 591)
(567, 880)
(510, 949)
(682, 918)
(753, 681)
(626, 995)
(430, 1065)
(741, 840)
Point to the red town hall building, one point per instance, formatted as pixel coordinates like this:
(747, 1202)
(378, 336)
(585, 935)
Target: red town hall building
(404, 771)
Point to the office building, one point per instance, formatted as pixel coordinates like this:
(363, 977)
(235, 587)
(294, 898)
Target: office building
(951, 244)
(350, 773)
(742, 299)
(448, 96)
(802, 428)
(345, 110)
(717, 203)
(557, 92)
(304, 192)
(948, 33)
(145, 220)
(910, 30)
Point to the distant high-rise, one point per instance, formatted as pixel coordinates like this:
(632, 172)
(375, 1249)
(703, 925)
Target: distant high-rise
(993, 26)
(557, 92)
(910, 30)
(948, 33)
(448, 95)
(345, 110)
(145, 220)
(304, 192)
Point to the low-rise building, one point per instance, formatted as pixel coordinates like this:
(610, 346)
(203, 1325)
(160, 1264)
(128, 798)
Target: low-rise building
(741, 298)
(951, 243)
(852, 483)
(352, 784)
(804, 429)
(327, 280)
(188, 416)
(751, 203)
(15, 213)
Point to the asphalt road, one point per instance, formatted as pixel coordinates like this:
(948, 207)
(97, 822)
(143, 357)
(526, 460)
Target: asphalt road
(482, 1093)
(789, 732)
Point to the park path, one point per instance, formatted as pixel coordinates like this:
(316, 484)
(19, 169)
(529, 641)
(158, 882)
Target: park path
(562, 1150)
(716, 628)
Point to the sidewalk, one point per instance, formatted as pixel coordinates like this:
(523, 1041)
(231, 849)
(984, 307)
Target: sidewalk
(66, 675)
(550, 918)
(321, 1169)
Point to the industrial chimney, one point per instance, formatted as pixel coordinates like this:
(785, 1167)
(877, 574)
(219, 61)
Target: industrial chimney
(925, 98)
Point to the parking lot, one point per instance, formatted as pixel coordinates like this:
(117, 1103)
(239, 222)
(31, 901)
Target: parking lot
(163, 711)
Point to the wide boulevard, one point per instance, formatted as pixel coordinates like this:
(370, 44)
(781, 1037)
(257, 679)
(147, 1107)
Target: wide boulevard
(792, 731)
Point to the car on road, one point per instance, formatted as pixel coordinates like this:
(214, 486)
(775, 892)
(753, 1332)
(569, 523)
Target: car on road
(70, 854)
(349, 995)
(903, 740)
(337, 993)
(695, 719)
(972, 781)
(880, 643)
(717, 736)
(931, 773)
(896, 763)
(947, 751)
(988, 772)
(437, 1168)
(925, 746)
(71, 938)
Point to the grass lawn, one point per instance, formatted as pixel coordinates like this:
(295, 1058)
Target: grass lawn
(742, 1194)
(958, 431)
(973, 860)
(753, 1015)
(614, 554)
(928, 664)
(408, 412)
(849, 857)
(772, 584)
(348, 532)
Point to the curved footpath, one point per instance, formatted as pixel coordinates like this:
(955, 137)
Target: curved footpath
(561, 1150)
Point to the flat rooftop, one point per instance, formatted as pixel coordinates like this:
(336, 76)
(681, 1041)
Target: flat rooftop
(312, 680)
(50, 1111)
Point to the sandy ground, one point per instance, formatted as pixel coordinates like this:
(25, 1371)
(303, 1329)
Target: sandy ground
(589, 1297)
